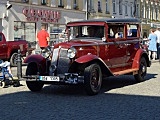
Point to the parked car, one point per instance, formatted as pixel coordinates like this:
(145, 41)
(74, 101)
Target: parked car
(9, 49)
(85, 59)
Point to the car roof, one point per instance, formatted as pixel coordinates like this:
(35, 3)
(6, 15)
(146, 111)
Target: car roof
(111, 20)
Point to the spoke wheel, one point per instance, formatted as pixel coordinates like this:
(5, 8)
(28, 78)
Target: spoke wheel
(13, 59)
(142, 70)
(92, 79)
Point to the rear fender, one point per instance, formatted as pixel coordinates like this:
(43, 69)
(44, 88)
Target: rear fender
(37, 59)
(140, 53)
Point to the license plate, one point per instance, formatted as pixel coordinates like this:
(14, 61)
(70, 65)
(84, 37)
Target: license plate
(49, 78)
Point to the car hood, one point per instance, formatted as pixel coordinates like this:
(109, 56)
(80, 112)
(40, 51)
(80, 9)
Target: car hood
(73, 43)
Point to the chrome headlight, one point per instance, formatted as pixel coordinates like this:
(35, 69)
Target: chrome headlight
(46, 52)
(71, 52)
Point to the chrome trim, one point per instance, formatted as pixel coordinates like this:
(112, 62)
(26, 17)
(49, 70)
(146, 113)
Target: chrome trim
(55, 56)
(63, 61)
(108, 43)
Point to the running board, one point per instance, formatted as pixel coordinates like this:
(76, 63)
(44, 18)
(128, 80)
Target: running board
(133, 71)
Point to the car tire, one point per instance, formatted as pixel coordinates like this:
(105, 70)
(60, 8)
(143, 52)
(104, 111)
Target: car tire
(2, 84)
(92, 79)
(34, 86)
(13, 59)
(142, 70)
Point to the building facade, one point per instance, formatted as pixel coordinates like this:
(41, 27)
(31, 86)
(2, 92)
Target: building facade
(123, 8)
(149, 14)
(24, 18)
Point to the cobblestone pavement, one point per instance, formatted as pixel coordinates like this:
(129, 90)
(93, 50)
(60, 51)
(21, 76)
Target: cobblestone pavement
(121, 98)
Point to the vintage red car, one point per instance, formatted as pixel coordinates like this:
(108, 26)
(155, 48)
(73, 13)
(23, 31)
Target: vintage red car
(95, 49)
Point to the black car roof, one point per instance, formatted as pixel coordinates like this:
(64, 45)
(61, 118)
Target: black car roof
(112, 20)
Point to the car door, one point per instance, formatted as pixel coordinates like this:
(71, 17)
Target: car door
(3, 47)
(132, 45)
(116, 49)
(116, 56)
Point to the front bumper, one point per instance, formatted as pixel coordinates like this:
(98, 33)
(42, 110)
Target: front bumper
(68, 78)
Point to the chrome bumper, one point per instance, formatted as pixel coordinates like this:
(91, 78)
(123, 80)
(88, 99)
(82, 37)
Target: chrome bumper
(68, 78)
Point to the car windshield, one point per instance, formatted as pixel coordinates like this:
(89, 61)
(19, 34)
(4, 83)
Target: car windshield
(96, 32)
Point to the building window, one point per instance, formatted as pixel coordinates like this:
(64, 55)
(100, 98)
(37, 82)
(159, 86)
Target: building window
(43, 2)
(107, 7)
(137, 10)
(131, 12)
(61, 3)
(114, 7)
(25, 1)
(153, 12)
(25, 31)
(99, 6)
(91, 6)
(156, 12)
(142, 11)
(75, 5)
(148, 14)
(126, 9)
(120, 7)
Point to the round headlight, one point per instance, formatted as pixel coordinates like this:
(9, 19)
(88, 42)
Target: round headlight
(46, 52)
(72, 52)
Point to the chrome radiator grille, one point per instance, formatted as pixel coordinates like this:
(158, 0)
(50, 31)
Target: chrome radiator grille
(62, 61)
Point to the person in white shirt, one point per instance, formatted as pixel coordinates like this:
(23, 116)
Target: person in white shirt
(157, 32)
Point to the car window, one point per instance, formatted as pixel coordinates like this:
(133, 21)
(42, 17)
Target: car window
(87, 32)
(132, 30)
(116, 31)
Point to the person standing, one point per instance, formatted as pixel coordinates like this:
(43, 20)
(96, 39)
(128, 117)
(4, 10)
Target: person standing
(152, 44)
(157, 32)
(43, 37)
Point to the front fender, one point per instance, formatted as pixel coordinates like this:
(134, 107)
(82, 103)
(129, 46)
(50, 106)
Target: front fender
(37, 59)
(86, 58)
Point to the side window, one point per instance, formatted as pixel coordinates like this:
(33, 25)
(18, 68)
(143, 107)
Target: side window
(99, 32)
(116, 31)
(95, 31)
(132, 30)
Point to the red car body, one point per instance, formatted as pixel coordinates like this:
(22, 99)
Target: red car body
(9, 49)
(86, 60)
